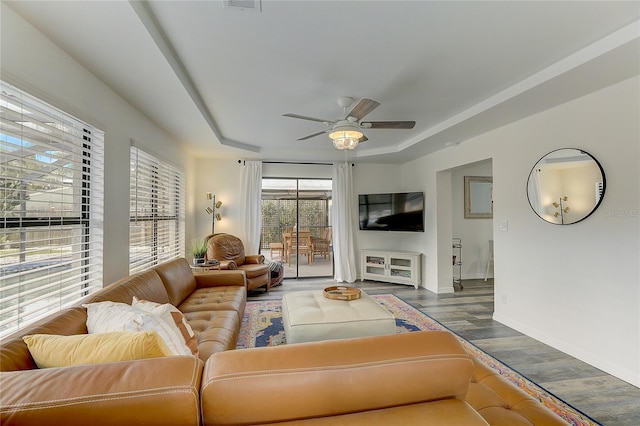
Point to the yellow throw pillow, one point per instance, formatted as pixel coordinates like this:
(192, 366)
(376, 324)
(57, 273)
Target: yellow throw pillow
(50, 350)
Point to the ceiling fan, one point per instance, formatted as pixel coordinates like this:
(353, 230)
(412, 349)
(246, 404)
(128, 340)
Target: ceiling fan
(346, 133)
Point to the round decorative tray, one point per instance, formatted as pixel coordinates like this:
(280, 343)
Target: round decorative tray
(340, 292)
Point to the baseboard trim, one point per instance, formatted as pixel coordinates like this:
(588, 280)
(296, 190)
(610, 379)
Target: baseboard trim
(579, 353)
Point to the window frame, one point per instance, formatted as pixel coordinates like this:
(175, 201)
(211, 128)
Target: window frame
(164, 186)
(46, 153)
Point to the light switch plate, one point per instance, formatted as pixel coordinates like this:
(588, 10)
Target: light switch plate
(503, 226)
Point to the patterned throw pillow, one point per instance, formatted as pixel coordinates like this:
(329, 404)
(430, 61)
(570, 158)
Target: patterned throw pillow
(172, 317)
(105, 317)
(275, 265)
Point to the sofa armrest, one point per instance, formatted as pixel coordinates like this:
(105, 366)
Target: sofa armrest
(235, 277)
(254, 259)
(333, 377)
(501, 402)
(157, 391)
(228, 265)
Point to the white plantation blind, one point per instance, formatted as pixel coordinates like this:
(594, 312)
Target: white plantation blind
(156, 228)
(51, 196)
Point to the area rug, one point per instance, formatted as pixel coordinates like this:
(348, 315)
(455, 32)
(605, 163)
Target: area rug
(262, 326)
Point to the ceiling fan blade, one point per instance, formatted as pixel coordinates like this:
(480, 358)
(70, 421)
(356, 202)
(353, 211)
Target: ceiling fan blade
(362, 108)
(313, 135)
(303, 117)
(388, 124)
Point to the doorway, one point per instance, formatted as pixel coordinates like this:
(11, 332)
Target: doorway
(472, 234)
(296, 225)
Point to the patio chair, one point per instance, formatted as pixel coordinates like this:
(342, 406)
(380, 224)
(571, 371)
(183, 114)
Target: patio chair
(322, 244)
(299, 243)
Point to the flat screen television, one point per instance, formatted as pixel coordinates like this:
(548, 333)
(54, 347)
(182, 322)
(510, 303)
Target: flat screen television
(398, 211)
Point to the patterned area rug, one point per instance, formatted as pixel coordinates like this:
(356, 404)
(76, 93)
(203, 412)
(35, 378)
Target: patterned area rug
(262, 326)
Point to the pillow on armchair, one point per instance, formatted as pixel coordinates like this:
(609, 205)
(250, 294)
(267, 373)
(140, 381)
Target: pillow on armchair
(229, 251)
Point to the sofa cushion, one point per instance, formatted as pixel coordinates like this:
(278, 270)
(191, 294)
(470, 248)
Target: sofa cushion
(173, 318)
(216, 331)
(178, 280)
(448, 412)
(50, 350)
(105, 317)
(216, 299)
(154, 391)
(343, 376)
(145, 285)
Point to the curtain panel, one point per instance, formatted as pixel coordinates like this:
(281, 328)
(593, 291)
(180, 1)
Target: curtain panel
(343, 215)
(251, 220)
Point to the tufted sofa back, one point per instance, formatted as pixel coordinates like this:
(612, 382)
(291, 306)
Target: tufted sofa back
(145, 285)
(178, 279)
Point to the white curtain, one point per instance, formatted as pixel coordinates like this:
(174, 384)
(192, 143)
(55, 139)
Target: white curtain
(251, 220)
(343, 219)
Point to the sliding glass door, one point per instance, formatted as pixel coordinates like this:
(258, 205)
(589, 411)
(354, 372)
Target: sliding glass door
(296, 225)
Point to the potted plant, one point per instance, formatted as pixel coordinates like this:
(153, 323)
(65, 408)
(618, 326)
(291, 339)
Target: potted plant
(198, 251)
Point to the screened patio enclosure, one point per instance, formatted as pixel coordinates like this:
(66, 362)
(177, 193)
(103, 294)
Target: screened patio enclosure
(296, 225)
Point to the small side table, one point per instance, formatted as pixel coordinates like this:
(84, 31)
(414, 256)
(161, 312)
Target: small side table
(211, 265)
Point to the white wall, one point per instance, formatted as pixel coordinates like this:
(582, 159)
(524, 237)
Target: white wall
(222, 178)
(574, 287)
(33, 63)
(445, 211)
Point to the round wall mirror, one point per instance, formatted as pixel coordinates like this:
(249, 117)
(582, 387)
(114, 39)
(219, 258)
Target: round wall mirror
(566, 186)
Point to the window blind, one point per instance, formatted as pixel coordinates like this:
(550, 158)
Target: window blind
(156, 224)
(51, 196)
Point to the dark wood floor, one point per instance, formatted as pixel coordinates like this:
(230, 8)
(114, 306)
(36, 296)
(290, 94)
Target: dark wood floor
(468, 312)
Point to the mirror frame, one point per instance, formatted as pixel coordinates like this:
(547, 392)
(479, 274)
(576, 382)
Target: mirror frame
(468, 197)
(595, 207)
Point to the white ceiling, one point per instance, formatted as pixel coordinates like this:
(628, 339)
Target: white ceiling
(219, 79)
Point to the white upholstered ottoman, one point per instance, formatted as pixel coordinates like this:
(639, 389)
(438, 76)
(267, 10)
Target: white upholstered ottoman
(308, 316)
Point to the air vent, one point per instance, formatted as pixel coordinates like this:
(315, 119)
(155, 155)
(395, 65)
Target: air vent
(251, 5)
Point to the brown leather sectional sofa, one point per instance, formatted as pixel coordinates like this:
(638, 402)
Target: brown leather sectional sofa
(412, 378)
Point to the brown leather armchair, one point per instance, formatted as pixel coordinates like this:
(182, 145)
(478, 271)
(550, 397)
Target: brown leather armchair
(229, 251)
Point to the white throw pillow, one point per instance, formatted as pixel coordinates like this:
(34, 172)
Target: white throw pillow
(106, 317)
(172, 317)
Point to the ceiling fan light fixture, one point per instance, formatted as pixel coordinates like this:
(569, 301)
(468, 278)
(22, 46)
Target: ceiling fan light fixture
(345, 143)
(346, 137)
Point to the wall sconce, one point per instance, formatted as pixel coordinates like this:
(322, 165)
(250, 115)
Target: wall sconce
(212, 211)
(562, 208)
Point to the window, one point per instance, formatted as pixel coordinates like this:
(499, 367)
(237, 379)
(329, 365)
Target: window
(156, 223)
(51, 193)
